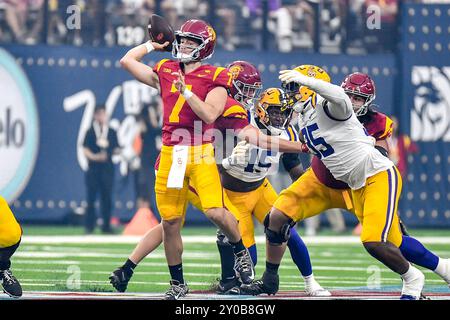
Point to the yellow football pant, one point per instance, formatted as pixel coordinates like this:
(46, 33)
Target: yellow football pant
(201, 173)
(10, 230)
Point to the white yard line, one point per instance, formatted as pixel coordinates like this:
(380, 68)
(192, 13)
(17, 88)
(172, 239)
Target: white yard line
(200, 239)
(324, 279)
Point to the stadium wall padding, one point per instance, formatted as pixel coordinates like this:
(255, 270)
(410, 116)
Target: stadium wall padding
(67, 80)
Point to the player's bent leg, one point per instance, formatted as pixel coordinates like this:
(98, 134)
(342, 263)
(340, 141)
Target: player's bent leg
(277, 229)
(390, 256)
(173, 247)
(151, 240)
(300, 256)
(381, 234)
(226, 222)
(173, 244)
(120, 277)
(415, 252)
(229, 284)
(228, 225)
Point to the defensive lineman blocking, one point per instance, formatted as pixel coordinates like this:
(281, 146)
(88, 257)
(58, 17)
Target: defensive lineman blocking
(334, 134)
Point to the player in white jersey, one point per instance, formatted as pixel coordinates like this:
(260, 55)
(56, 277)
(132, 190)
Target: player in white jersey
(273, 106)
(250, 192)
(333, 132)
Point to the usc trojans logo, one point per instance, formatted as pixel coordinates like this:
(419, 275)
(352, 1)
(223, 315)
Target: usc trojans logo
(235, 70)
(212, 33)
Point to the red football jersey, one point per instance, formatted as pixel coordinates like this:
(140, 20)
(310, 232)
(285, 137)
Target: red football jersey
(377, 124)
(234, 117)
(180, 124)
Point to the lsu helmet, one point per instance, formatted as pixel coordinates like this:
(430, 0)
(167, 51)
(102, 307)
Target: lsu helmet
(247, 83)
(360, 84)
(200, 32)
(273, 110)
(301, 97)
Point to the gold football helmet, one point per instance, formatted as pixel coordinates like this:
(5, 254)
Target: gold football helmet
(301, 97)
(273, 110)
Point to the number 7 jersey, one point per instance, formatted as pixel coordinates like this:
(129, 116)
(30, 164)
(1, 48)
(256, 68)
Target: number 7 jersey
(180, 124)
(344, 146)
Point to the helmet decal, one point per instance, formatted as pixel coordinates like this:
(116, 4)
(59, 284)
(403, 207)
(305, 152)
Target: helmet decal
(211, 32)
(235, 70)
(247, 83)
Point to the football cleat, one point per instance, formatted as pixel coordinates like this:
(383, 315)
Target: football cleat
(314, 289)
(10, 284)
(269, 284)
(232, 287)
(119, 279)
(243, 265)
(176, 291)
(412, 289)
(446, 273)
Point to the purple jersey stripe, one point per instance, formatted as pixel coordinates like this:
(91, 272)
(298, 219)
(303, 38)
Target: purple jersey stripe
(387, 226)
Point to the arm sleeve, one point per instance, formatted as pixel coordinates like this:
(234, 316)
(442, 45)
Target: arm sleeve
(290, 160)
(339, 106)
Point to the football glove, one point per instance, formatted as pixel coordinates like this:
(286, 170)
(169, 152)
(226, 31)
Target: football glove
(288, 76)
(239, 156)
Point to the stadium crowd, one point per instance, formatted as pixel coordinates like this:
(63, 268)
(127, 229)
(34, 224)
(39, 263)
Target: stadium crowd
(284, 25)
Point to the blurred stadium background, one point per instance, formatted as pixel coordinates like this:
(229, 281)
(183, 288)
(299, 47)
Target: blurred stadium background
(54, 68)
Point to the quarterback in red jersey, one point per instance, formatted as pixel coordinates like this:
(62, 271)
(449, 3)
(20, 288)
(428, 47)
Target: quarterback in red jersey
(193, 95)
(245, 89)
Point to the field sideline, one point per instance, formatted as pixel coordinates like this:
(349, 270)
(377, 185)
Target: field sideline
(61, 261)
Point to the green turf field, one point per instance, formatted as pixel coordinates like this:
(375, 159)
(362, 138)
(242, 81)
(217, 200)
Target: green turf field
(52, 266)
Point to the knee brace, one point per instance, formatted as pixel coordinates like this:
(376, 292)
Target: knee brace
(278, 238)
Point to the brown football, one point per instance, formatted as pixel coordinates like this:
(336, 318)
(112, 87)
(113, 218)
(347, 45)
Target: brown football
(160, 31)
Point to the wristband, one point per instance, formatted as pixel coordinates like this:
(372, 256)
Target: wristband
(304, 148)
(149, 46)
(187, 94)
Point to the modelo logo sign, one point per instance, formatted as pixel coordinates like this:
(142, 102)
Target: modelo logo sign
(19, 128)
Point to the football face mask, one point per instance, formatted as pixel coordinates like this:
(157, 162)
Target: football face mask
(273, 110)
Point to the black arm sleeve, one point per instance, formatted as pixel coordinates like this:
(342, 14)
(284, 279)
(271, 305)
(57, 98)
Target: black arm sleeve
(383, 151)
(290, 160)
